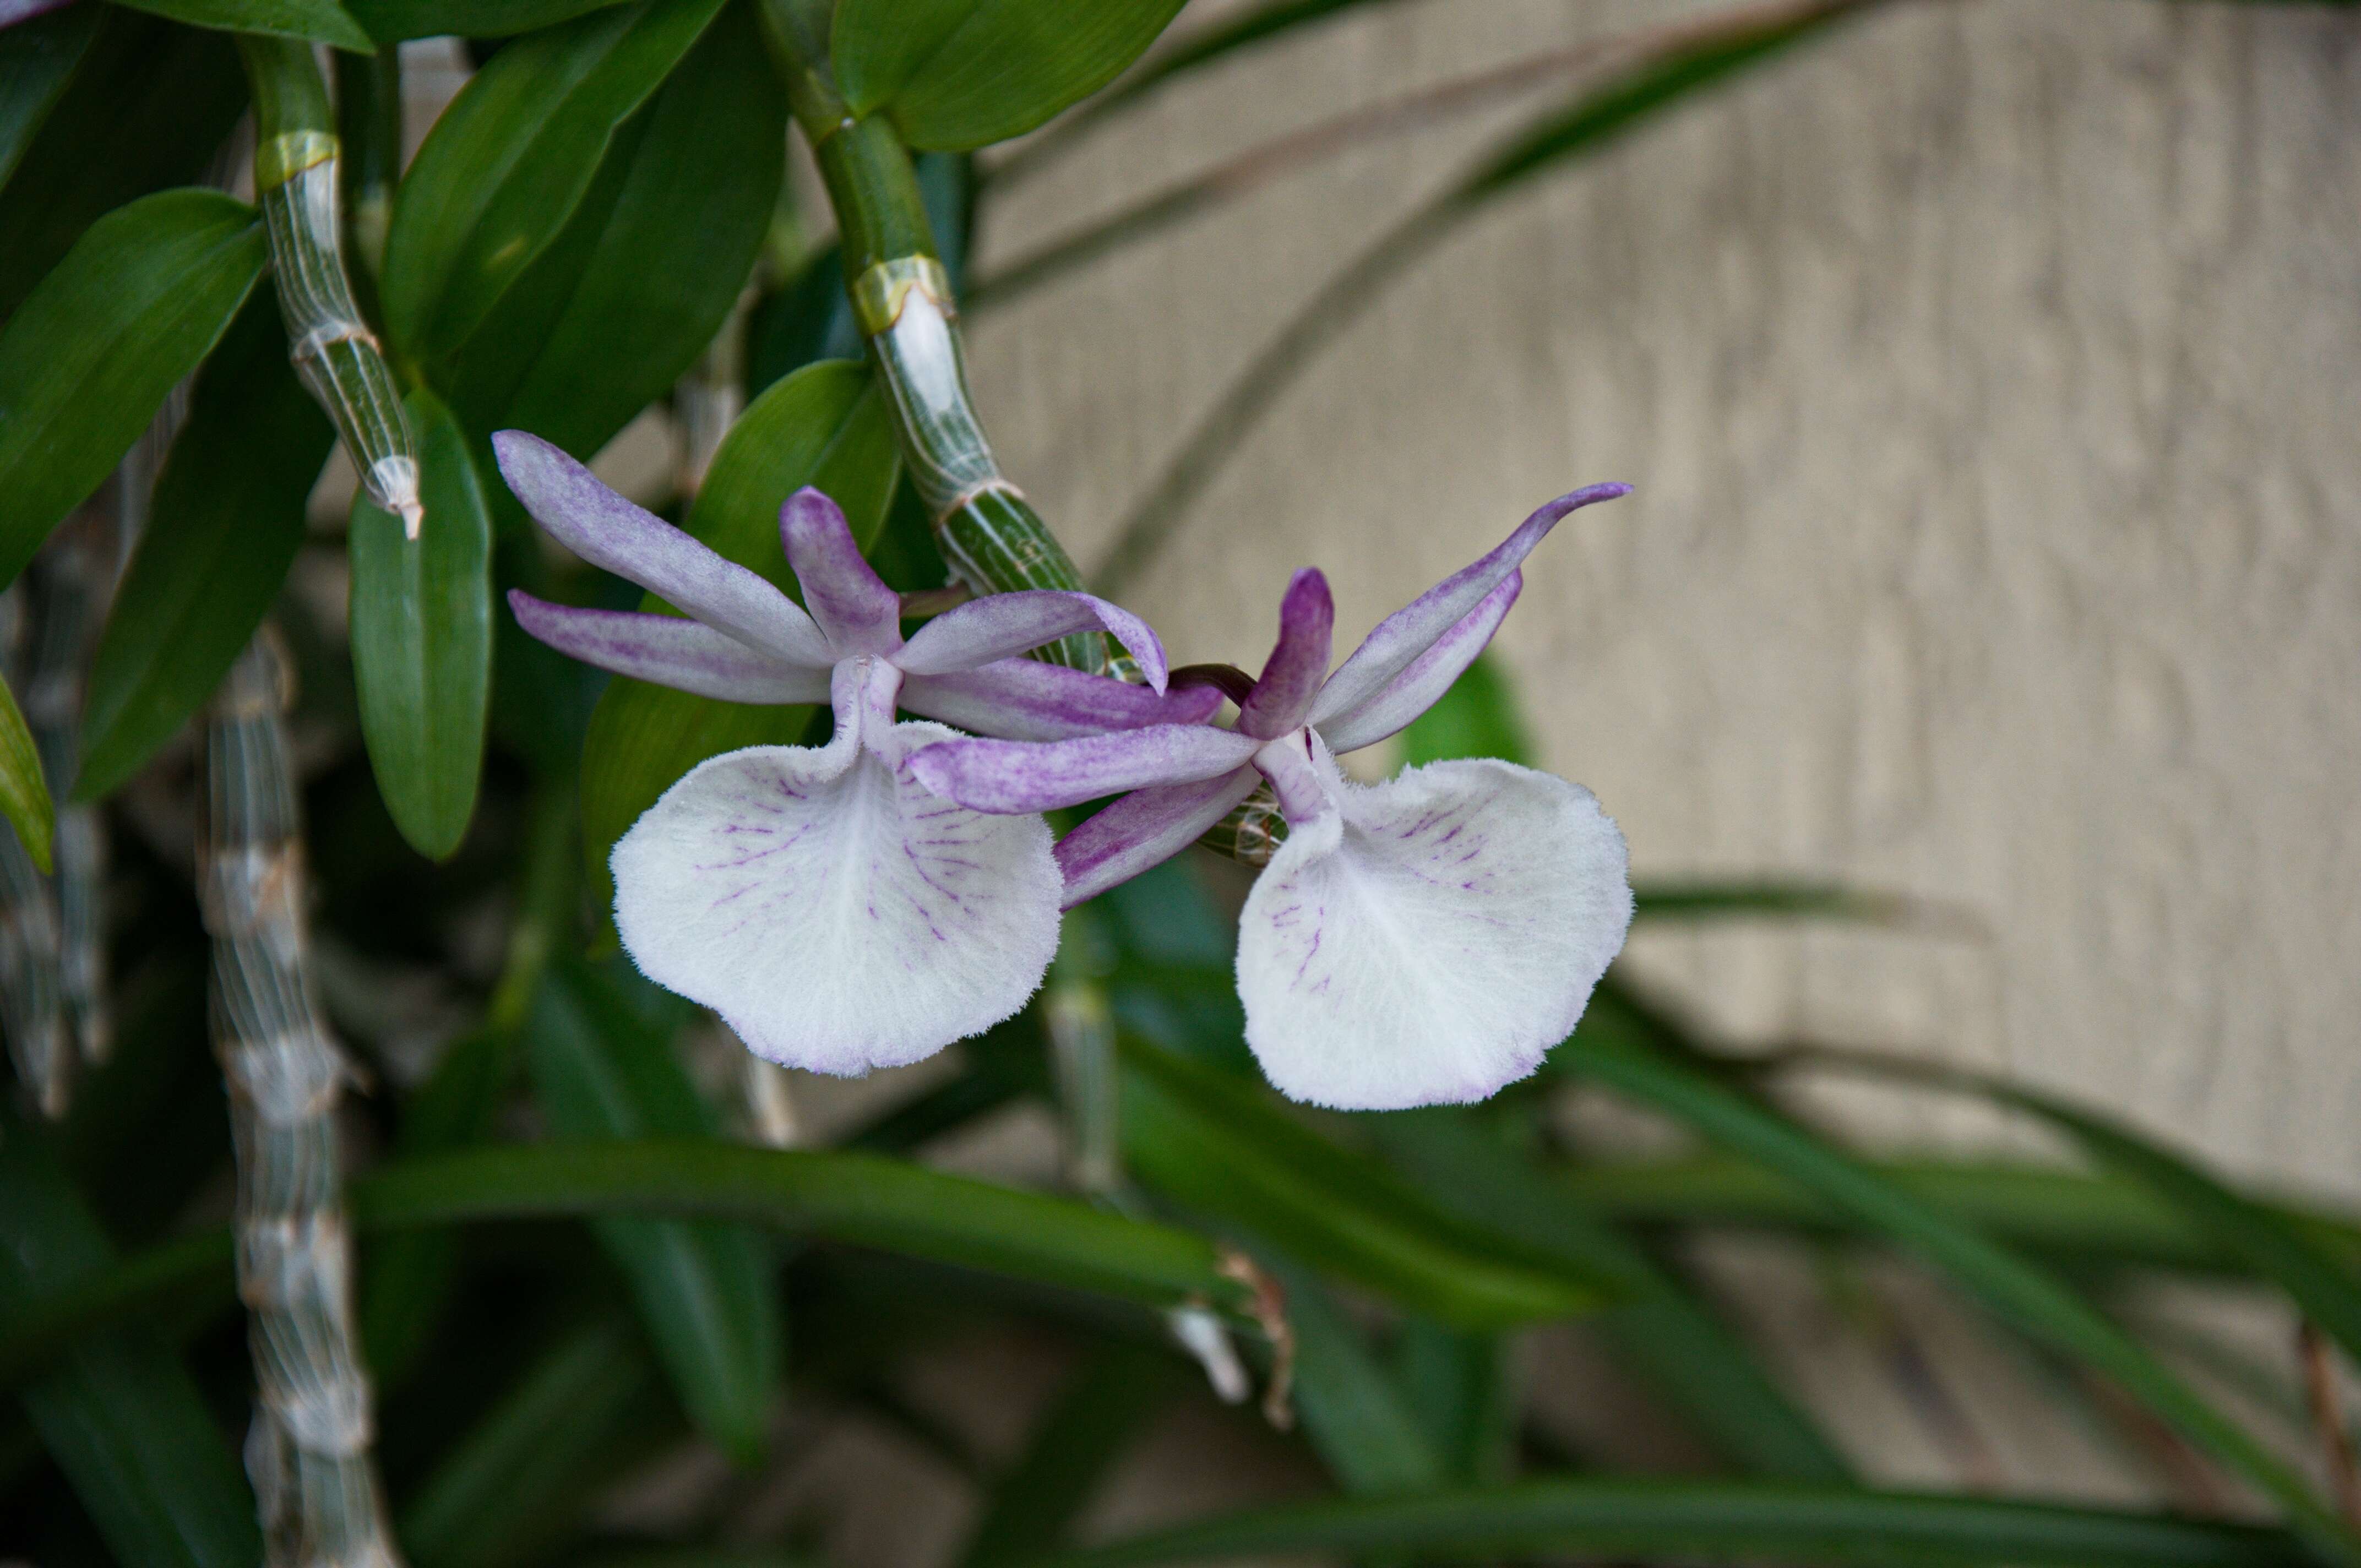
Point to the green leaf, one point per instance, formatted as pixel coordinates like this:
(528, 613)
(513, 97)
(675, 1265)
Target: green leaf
(320, 21)
(37, 58)
(24, 791)
(226, 524)
(644, 272)
(509, 161)
(147, 106)
(704, 1291)
(122, 1417)
(1364, 1431)
(1036, 1501)
(422, 618)
(1713, 1521)
(1673, 1339)
(87, 361)
(1212, 1143)
(960, 73)
(2021, 1294)
(516, 1482)
(826, 425)
(389, 21)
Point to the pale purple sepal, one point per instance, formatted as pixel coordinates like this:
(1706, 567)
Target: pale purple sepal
(1024, 699)
(668, 650)
(1422, 686)
(1010, 776)
(1402, 636)
(1144, 829)
(607, 530)
(843, 592)
(1292, 675)
(1001, 626)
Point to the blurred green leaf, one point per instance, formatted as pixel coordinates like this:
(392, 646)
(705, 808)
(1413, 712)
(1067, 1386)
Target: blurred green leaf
(320, 21)
(422, 618)
(37, 58)
(1713, 1521)
(1673, 1339)
(961, 73)
(1033, 1505)
(1219, 1146)
(226, 520)
(516, 1482)
(2317, 1275)
(122, 1417)
(825, 425)
(2021, 1294)
(644, 272)
(1238, 29)
(88, 358)
(1459, 1386)
(389, 21)
(1364, 1431)
(146, 106)
(24, 791)
(508, 162)
(705, 1290)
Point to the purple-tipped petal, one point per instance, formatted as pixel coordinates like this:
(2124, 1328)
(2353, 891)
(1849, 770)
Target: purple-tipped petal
(1409, 631)
(1144, 829)
(1001, 625)
(1024, 699)
(607, 530)
(844, 594)
(1291, 677)
(1429, 676)
(685, 654)
(1009, 776)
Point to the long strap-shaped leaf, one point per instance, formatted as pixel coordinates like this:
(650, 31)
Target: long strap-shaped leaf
(1714, 1521)
(2018, 1291)
(859, 1198)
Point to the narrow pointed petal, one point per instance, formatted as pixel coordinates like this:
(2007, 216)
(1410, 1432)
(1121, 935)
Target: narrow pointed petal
(1394, 705)
(843, 592)
(686, 656)
(1143, 831)
(607, 530)
(1024, 699)
(1409, 631)
(1016, 775)
(1291, 676)
(999, 626)
(1429, 943)
(837, 915)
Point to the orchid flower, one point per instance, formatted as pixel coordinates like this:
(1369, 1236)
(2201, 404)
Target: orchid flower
(1424, 941)
(836, 914)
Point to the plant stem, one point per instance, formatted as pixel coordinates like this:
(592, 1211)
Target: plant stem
(296, 159)
(308, 1450)
(904, 305)
(32, 1015)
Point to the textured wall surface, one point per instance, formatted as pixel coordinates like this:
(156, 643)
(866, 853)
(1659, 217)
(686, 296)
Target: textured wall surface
(1991, 373)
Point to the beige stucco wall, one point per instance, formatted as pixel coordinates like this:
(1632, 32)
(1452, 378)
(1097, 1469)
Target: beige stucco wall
(1991, 374)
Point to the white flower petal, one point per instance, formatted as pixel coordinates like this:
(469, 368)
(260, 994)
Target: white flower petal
(1430, 942)
(834, 913)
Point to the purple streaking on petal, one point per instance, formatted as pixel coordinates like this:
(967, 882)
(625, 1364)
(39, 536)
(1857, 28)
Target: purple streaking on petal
(685, 654)
(1000, 625)
(1291, 676)
(1011, 776)
(1143, 829)
(607, 530)
(1402, 636)
(1429, 676)
(844, 594)
(1024, 699)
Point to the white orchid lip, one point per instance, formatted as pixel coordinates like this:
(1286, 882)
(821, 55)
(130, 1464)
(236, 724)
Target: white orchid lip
(839, 914)
(1421, 942)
